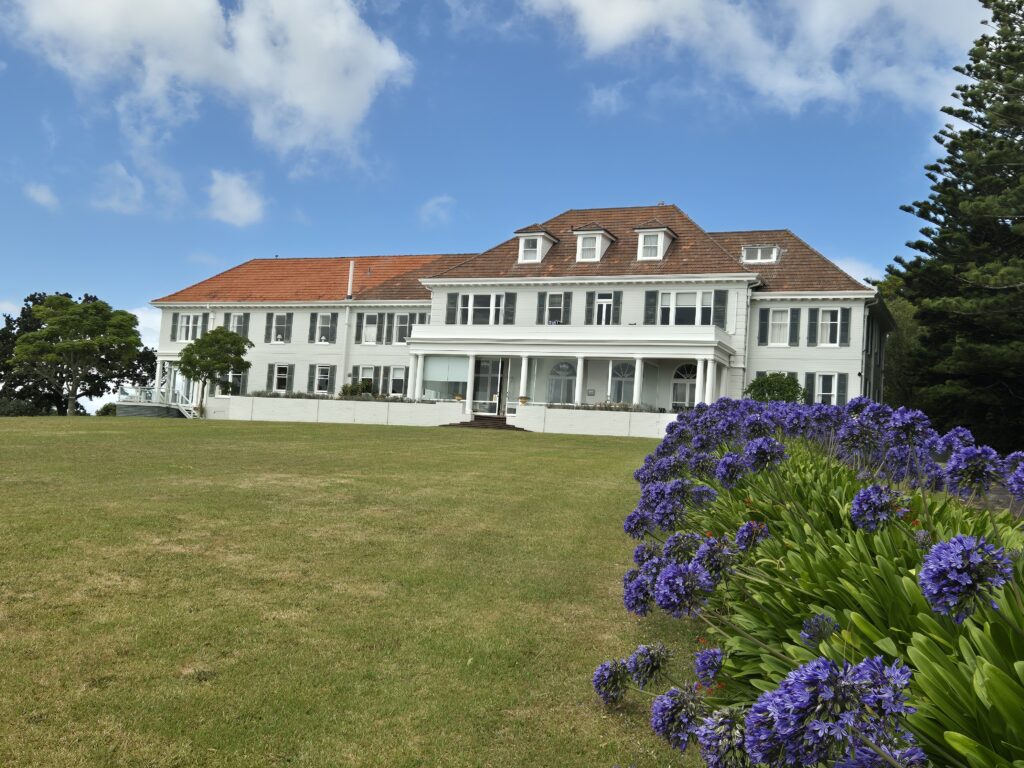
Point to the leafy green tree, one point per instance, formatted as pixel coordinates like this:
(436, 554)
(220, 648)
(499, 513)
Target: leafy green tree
(902, 346)
(967, 280)
(79, 348)
(107, 409)
(211, 357)
(775, 386)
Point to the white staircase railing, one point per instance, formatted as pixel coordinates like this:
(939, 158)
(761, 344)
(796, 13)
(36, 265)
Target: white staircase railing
(154, 396)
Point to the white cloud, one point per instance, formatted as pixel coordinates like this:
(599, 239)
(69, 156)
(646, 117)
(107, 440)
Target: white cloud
(41, 194)
(791, 52)
(606, 100)
(118, 190)
(307, 73)
(233, 199)
(437, 210)
(9, 308)
(860, 269)
(149, 324)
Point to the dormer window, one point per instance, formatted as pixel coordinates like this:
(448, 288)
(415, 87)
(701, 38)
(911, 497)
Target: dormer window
(653, 240)
(760, 254)
(592, 240)
(588, 248)
(534, 243)
(649, 250)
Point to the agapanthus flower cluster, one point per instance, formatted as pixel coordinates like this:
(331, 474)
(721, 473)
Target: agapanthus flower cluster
(961, 571)
(720, 737)
(973, 469)
(817, 629)
(730, 470)
(1013, 469)
(715, 556)
(823, 713)
(637, 592)
(647, 663)
(676, 714)
(763, 452)
(876, 505)
(707, 664)
(750, 534)
(611, 679)
(683, 588)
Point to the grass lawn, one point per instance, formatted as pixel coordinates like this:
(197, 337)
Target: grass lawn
(180, 593)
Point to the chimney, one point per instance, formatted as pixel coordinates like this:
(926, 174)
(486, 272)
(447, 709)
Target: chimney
(351, 277)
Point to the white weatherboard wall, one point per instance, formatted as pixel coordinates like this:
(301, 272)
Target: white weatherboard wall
(334, 411)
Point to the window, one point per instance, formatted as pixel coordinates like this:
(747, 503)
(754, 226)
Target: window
(398, 380)
(826, 393)
(190, 327)
(562, 383)
(605, 302)
(531, 249)
(401, 328)
(280, 329)
(323, 380)
(481, 308)
(588, 248)
(681, 308)
(622, 382)
(280, 378)
(760, 253)
(828, 328)
(665, 309)
(686, 309)
(232, 384)
(366, 374)
(650, 248)
(323, 329)
(238, 323)
(554, 313)
(778, 328)
(706, 305)
(684, 387)
(371, 328)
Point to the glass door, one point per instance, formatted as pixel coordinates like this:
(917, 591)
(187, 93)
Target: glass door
(487, 386)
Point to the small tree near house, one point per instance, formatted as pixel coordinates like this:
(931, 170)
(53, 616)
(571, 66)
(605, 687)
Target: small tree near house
(210, 358)
(775, 386)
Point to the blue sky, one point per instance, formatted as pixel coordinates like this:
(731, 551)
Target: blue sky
(145, 146)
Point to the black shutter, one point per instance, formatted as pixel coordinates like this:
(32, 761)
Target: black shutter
(174, 326)
(227, 320)
(650, 307)
(270, 377)
(376, 379)
(808, 388)
(794, 327)
(291, 378)
(311, 382)
(762, 326)
(355, 374)
(451, 310)
(812, 327)
(510, 309)
(243, 385)
(842, 383)
(844, 327)
(245, 324)
(718, 308)
(359, 327)
(312, 328)
(333, 338)
(542, 306)
(331, 379)
(206, 323)
(616, 307)
(270, 328)
(567, 308)
(385, 381)
(389, 326)
(588, 313)
(288, 329)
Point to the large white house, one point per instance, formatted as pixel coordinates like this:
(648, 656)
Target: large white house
(632, 306)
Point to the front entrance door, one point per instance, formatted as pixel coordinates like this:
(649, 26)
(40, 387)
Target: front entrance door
(489, 385)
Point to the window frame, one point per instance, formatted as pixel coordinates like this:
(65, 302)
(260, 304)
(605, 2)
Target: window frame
(822, 336)
(818, 378)
(407, 325)
(619, 382)
(237, 323)
(320, 327)
(759, 249)
(189, 326)
(524, 249)
(469, 307)
(376, 328)
(608, 304)
(703, 305)
(369, 378)
(283, 317)
(278, 367)
(325, 372)
(549, 309)
(658, 246)
(391, 384)
(785, 326)
(583, 248)
(231, 379)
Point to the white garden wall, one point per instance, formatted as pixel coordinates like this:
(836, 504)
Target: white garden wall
(334, 411)
(569, 421)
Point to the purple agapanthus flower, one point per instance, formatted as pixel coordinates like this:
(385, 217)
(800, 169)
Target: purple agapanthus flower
(683, 588)
(720, 738)
(750, 534)
(817, 629)
(876, 505)
(676, 714)
(715, 556)
(647, 663)
(973, 469)
(637, 592)
(707, 664)
(956, 573)
(680, 547)
(1013, 469)
(730, 470)
(610, 681)
(763, 452)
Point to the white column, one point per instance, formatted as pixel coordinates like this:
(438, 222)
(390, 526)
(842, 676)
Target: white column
(608, 397)
(524, 375)
(470, 380)
(410, 378)
(711, 382)
(578, 395)
(638, 380)
(421, 363)
(698, 395)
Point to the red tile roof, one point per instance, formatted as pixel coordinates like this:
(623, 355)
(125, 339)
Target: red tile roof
(799, 267)
(317, 279)
(692, 251)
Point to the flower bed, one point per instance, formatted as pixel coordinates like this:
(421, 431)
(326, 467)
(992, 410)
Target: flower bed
(864, 608)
